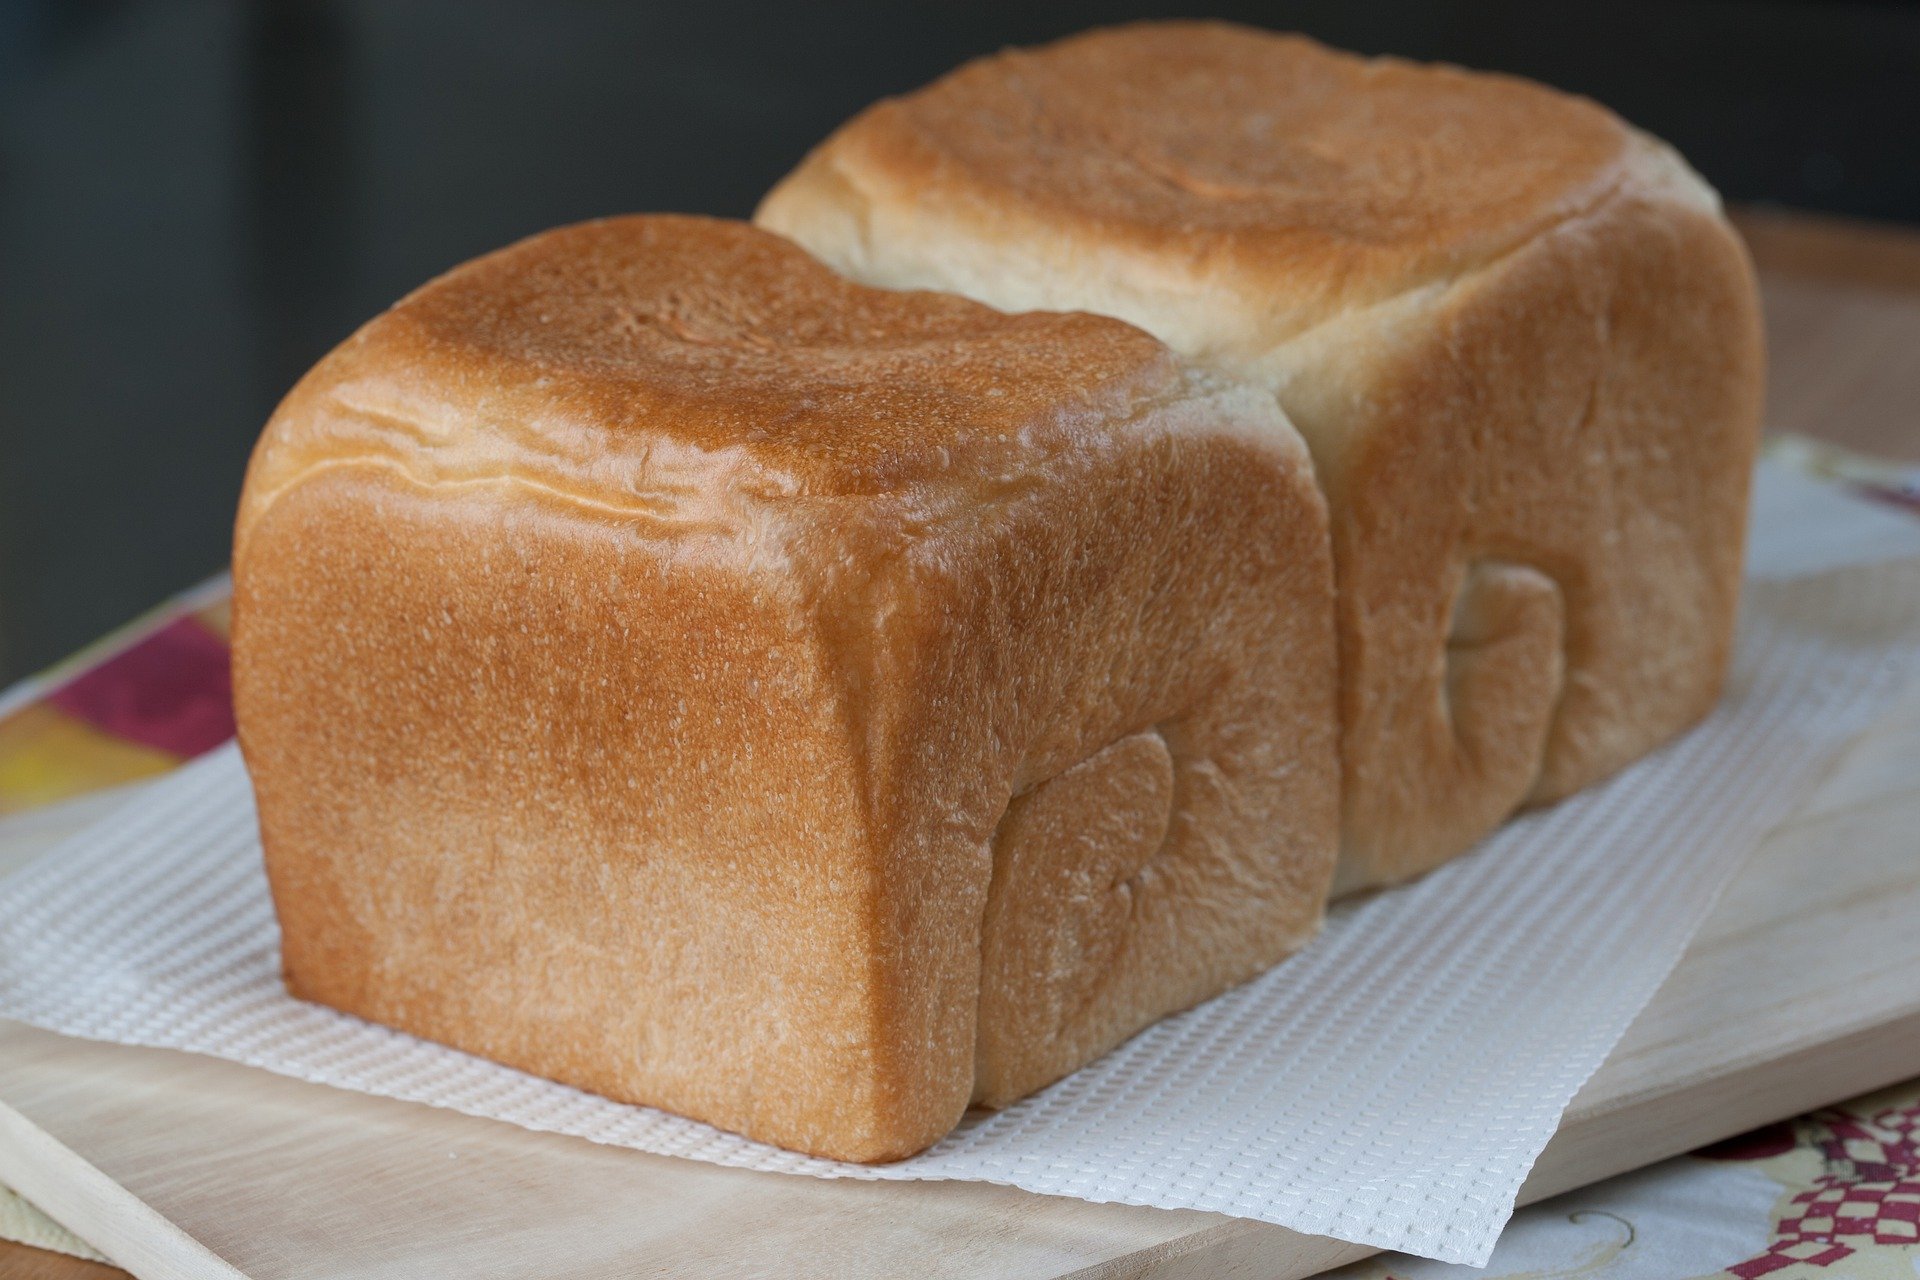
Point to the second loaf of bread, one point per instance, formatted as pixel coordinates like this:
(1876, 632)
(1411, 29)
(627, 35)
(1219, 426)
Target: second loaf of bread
(1520, 339)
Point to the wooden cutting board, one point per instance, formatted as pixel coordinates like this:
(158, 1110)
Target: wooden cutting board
(1803, 989)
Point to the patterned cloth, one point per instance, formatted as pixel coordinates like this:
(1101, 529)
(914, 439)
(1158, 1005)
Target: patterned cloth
(1867, 1193)
(134, 704)
(1833, 1194)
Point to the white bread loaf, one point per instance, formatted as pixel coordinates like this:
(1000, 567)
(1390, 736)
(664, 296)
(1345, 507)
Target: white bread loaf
(1520, 339)
(670, 668)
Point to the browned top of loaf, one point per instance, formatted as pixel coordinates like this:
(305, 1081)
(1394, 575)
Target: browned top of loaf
(1356, 177)
(602, 358)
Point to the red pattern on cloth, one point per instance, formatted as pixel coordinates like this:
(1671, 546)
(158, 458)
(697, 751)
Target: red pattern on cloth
(172, 691)
(1869, 1196)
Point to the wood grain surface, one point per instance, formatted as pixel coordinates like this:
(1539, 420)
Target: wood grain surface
(23, 1262)
(245, 1167)
(1843, 329)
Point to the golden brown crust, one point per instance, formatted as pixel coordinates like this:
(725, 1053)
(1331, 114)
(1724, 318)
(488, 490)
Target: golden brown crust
(1320, 179)
(591, 347)
(1520, 339)
(649, 718)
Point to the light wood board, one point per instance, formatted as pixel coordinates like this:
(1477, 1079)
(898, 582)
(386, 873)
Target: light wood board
(1803, 989)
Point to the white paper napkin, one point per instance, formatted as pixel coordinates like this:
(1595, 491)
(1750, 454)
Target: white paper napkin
(1391, 1085)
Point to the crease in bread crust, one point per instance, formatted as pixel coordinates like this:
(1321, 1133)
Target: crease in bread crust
(666, 508)
(1198, 401)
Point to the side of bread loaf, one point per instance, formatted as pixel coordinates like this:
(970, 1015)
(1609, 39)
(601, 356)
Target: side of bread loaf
(669, 668)
(1520, 339)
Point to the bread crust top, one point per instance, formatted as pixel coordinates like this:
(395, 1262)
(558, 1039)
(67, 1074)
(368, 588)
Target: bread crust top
(1317, 179)
(630, 362)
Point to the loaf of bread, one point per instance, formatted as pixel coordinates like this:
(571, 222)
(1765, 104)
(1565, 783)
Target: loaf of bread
(672, 669)
(1520, 339)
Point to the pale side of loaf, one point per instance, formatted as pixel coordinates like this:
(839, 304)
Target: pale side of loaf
(1518, 335)
(672, 669)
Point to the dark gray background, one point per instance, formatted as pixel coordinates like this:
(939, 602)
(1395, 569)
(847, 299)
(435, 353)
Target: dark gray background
(198, 199)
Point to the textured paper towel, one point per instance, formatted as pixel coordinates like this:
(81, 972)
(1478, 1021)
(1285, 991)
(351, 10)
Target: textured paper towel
(1391, 1085)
